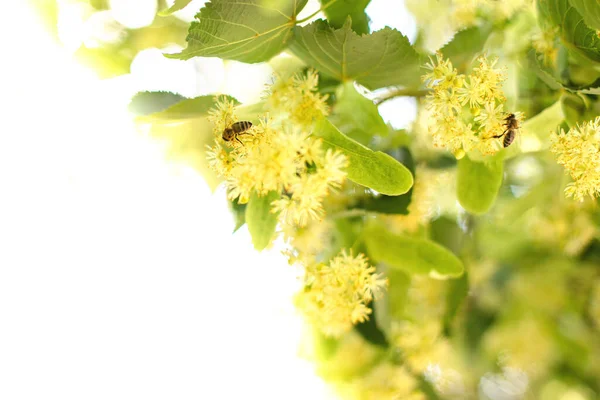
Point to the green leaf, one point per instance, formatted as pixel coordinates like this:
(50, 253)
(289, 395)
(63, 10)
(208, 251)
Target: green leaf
(370, 330)
(555, 83)
(576, 35)
(356, 116)
(392, 204)
(239, 214)
(369, 168)
(339, 10)
(146, 103)
(412, 255)
(177, 5)
(261, 221)
(197, 107)
(590, 10)
(465, 45)
(544, 123)
(380, 59)
(478, 183)
(249, 31)
(455, 297)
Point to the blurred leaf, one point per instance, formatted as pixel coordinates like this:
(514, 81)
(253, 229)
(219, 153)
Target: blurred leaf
(177, 5)
(146, 103)
(47, 11)
(239, 213)
(186, 141)
(186, 129)
(478, 183)
(244, 31)
(455, 297)
(446, 232)
(369, 168)
(544, 123)
(356, 116)
(261, 221)
(339, 10)
(107, 62)
(590, 10)
(576, 35)
(413, 255)
(397, 293)
(197, 107)
(380, 59)
(370, 330)
(427, 388)
(465, 45)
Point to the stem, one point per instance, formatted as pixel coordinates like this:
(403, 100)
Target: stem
(323, 8)
(401, 93)
(355, 212)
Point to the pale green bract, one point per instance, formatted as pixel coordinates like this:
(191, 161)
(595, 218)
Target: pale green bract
(383, 58)
(412, 255)
(478, 183)
(250, 31)
(369, 168)
(260, 220)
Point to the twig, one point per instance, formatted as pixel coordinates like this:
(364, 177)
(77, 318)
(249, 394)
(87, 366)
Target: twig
(401, 93)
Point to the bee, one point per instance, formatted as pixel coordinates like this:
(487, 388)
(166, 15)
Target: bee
(511, 123)
(233, 132)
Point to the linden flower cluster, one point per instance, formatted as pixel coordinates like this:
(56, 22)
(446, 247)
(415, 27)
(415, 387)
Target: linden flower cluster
(468, 111)
(280, 158)
(464, 12)
(336, 295)
(579, 152)
(297, 98)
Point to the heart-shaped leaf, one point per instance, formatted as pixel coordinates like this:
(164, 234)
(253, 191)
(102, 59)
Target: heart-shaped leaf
(380, 59)
(250, 31)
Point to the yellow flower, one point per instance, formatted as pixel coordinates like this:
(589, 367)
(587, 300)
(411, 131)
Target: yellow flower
(467, 110)
(579, 152)
(336, 295)
(296, 98)
(386, 381)
(544, 43)
(278, 157)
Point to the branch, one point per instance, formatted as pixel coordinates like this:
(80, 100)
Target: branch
(401, 93)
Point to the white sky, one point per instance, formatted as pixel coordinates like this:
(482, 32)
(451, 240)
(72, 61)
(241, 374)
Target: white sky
(119, 278)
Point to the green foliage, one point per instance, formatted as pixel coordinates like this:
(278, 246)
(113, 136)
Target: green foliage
(412, 255)
(146, 103)
(383, 58)
(197, 107)
(183, 126)
(356, 116)
(239, 214)
(337, 12)
(177, 5)
(478, 183)
(250, 31)
(590, 10)
(465, 45)
(261, 221)
(576, 35)
(373, 169)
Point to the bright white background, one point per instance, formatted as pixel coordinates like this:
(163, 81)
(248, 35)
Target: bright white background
(119, 276)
